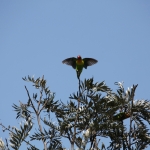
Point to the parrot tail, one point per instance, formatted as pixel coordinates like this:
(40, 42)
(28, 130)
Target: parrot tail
(78, 74)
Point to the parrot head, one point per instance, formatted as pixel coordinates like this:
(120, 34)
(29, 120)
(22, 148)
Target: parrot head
(79, 57)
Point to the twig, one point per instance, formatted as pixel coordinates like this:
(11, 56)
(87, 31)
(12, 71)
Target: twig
(73, 141)
(38, 118)
(40, 100)
(37, 114)
(30, 100)
(131, 113)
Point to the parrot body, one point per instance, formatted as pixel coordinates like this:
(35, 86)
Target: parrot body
(121, 116)
(79, 63)
(79, 67)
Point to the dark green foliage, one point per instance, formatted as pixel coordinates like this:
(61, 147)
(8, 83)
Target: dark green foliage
(22, 111)
(51, 135)
(19, 135)
(94, 111)
(32, 148)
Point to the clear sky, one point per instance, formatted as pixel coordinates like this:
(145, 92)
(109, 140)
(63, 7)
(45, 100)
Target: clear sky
(35, 36)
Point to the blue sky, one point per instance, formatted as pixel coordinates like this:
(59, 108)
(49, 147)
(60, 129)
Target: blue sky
(35, 36)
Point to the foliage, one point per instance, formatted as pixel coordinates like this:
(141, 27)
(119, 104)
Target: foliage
(94, 111)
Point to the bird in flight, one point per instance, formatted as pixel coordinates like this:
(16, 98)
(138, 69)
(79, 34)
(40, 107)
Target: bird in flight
(79, 63)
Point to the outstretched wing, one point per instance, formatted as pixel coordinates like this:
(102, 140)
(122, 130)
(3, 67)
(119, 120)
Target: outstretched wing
(89, 62)
(70, 61)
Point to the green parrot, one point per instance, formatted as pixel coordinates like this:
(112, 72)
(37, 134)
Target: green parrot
(78, 63)
(121, 116)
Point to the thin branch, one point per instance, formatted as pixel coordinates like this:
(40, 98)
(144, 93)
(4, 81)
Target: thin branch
(43, 106)
(131, 113)
(40, 127)
(30, 100)
(38, 118)
(73, 141)
(37, 114)
(40, 100)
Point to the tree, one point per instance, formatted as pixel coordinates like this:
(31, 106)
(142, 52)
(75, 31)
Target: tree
(94, 111)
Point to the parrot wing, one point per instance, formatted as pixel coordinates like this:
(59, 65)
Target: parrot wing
(89, 62)
(70, 61)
